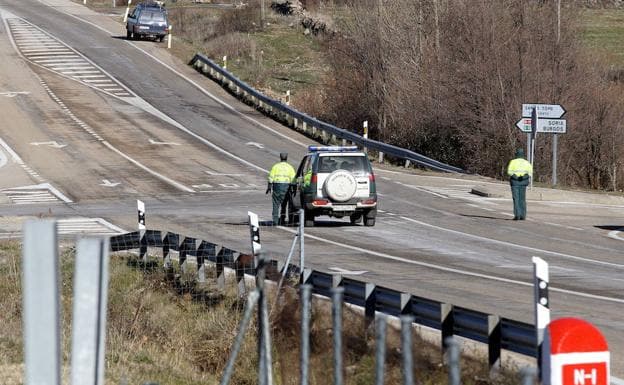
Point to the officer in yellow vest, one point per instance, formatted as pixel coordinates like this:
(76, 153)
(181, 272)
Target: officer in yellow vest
(281, 176)
(520, 172)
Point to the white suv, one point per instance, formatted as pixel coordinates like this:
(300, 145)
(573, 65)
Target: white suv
(335, 181)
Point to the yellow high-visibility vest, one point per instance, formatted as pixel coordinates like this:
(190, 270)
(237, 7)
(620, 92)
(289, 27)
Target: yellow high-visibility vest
(519, 167)
(282, 172)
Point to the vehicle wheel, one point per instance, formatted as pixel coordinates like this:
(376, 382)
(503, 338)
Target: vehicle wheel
(292, 214)
(369, 218)
(309, 219)
(129, 35)
(355, 218)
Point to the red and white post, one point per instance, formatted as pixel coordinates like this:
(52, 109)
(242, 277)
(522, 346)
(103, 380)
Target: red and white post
(574, 352)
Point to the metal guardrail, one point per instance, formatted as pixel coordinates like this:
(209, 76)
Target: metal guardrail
(307, 124)
(497, 332)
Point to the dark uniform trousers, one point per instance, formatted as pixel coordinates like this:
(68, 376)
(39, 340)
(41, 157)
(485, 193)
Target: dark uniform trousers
(518, 193)
(279, 201)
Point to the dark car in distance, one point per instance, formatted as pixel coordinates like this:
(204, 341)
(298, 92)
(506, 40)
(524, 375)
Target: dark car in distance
(147, 20)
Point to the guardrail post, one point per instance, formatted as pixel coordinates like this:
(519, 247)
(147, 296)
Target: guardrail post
(344, 142)
(125, 19)
(305, 276)
(296, 123)
(219, 262)
(381, 157)
(369, 304)
(169, 37)
(406, 302)
(407, 163)
(447, 327)
(305, 127)
(336, 280)
(494, 343)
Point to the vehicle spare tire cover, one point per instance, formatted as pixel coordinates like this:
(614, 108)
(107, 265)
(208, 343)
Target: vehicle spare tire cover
(340, 185)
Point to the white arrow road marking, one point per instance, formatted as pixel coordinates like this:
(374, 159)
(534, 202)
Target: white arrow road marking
(342, 271)
(152, 141)
(615, 234)
(52, 143)
(12, 94)
(108, 183)
(259, 145)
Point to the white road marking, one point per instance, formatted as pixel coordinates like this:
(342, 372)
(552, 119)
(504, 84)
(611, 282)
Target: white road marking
(220, 174)
(52, 143)
(255, 144)
(12, 94)
(152, 141)
(509, 244)
(452, 270)
(41, 193)
(615, 234)
(108, 183)
(421, 189)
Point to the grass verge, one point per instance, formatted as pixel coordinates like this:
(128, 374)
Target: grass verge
(160, 333)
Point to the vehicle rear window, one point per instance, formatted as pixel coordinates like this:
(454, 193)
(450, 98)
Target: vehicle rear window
(151, 16)
(332, 163)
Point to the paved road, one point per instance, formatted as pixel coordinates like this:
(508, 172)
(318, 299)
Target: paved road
(151, 128)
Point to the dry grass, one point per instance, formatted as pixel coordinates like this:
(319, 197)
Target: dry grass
(156, 334)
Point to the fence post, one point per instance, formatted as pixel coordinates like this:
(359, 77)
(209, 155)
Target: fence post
(306, 294)
(337, 297)
(406, 347)
(41, 303)
(453, 361)
(380, 351)
(225, 62)
(89, 313)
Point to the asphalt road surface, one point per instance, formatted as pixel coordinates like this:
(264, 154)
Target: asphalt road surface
(92, 122)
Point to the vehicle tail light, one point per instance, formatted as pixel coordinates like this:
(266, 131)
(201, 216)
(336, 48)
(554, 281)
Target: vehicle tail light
(314, 178)
(320, 202)
(369, 202)
(371, 177)
(166, 29)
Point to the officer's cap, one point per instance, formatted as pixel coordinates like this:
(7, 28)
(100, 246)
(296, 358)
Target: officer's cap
(283, 156)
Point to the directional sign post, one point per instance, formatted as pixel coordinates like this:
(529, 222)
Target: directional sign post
(548, 126)
(545, 111)
(545, 118)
